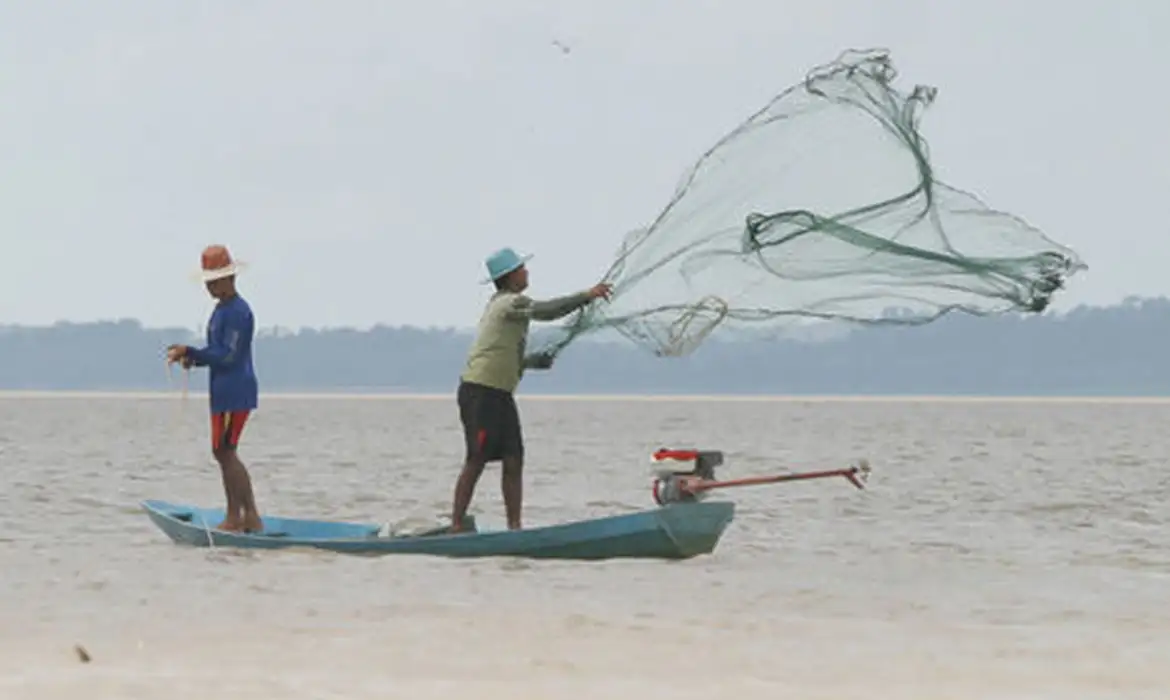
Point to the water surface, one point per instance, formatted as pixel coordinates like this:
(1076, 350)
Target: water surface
(1004, 550)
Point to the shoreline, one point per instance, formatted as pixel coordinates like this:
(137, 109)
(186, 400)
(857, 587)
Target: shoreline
(16, 394)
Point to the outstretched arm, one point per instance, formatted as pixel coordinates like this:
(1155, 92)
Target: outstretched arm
(224, 352)
(524, 308)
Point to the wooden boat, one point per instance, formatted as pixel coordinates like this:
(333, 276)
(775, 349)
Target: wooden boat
(684, 525)
(676, 531)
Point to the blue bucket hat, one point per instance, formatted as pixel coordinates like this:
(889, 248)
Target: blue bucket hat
(502, 262)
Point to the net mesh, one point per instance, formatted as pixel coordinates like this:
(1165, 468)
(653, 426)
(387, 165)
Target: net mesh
(822, 205)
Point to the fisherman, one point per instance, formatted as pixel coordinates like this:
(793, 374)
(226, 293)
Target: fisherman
(495, 364)
(232, 382)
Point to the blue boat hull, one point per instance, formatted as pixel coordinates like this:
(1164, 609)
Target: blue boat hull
(676, 531)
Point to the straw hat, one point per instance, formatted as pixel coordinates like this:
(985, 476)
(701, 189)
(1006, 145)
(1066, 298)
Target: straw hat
(217, 263)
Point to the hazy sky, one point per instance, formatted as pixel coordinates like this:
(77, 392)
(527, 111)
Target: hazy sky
(365, 156)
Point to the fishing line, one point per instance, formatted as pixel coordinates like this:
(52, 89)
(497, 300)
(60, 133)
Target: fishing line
(177, 417)
(180, 413)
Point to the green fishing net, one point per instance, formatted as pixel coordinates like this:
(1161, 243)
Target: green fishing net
(822, 205)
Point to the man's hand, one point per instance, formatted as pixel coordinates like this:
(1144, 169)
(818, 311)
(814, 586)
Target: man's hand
(601, 291)
(176, 353)
(540, 360)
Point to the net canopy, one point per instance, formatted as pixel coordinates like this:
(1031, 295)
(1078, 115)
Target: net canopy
(822, 205)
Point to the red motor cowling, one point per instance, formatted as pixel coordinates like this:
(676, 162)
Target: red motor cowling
(664, 453)
(705, 460)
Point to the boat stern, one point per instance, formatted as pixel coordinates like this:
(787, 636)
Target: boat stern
(695, 528)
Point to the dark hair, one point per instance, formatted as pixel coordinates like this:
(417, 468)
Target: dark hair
(502, 281)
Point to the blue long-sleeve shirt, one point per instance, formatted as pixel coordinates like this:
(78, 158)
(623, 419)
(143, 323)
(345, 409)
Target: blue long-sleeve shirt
(232, 382)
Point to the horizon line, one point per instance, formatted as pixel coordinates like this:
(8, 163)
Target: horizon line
(18, 394)
(1052, 312)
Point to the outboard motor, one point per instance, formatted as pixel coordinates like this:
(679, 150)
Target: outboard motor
(676, 486)
(668, 483)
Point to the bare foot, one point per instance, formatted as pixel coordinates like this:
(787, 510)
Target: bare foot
(253, 524)
(230, 525)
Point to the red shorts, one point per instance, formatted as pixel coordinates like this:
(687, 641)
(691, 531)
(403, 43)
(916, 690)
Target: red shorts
(226, 429)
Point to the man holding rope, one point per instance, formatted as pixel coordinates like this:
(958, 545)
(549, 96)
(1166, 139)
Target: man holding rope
(232, 383)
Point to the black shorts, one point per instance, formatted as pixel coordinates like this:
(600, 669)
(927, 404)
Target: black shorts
(491, 423)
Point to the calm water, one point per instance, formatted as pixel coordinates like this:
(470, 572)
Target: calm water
(1004, 550)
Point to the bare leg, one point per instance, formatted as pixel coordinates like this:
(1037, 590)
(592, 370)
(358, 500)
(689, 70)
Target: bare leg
(232, 521)
(244, 495)
(464, 490)
(242, 513)
(512, 486)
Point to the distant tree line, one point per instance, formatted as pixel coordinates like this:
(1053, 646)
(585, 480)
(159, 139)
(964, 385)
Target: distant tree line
(1117, 350)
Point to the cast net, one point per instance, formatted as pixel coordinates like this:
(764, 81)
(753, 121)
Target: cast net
(822, 205)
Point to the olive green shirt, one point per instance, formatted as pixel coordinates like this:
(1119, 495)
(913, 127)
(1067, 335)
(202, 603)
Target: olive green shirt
(497, 356)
